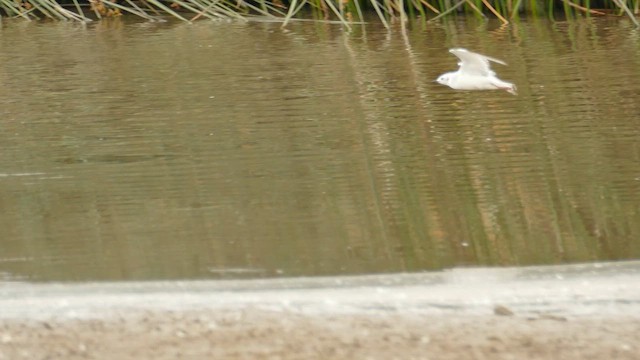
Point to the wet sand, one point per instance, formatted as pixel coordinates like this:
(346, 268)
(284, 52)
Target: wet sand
(568, 312)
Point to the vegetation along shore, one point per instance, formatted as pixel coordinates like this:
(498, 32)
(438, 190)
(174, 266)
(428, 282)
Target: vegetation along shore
(346, 12)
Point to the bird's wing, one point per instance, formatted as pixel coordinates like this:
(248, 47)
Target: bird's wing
(474, 64)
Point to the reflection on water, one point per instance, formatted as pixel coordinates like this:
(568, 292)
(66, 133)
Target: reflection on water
(162, 151)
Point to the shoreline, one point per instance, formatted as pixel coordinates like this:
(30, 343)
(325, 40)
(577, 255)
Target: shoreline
(561, 312)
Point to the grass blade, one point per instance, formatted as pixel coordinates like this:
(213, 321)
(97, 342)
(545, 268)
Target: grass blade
(165, 8)
(623, 6)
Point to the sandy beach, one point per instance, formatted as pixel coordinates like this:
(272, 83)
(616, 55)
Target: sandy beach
(563, 312)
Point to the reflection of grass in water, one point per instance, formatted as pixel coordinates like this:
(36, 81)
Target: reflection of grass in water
(342, 11)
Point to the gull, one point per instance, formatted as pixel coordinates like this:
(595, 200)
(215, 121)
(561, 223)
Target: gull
(475, 73)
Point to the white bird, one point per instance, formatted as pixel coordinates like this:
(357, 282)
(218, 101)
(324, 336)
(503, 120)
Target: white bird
(475, 73)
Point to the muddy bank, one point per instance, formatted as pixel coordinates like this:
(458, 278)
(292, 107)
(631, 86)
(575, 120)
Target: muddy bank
(568, 312)
(260, 334)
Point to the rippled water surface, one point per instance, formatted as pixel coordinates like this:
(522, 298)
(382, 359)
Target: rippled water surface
(164, 151)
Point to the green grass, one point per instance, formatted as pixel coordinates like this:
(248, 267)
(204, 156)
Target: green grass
(346, 12)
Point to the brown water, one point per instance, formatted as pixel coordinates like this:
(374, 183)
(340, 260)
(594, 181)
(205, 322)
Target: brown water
(165, 151)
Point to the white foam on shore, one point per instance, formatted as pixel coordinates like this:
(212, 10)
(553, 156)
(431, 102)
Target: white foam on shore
(600, 289)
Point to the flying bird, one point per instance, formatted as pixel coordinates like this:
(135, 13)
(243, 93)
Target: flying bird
(475, 73)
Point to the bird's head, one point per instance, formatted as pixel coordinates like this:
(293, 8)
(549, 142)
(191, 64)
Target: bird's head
(443, 79)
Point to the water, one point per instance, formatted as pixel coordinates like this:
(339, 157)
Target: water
(138, 151)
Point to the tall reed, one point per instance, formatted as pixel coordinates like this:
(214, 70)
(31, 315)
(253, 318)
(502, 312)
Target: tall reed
(345, 12)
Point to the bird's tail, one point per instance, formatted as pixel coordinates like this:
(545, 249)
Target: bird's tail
(503, 85)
